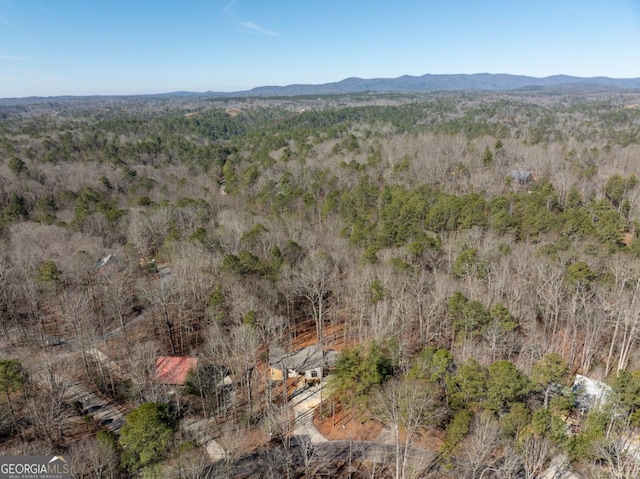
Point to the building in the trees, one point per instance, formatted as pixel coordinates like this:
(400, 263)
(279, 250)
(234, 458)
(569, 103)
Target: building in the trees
(311, 363)
(108, 264)
(590, 393)
(521, 176)
(173, 370)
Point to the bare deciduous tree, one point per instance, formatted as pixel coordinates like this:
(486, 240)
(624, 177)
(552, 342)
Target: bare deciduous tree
(622, 306)
(161, 295)
(117, 296)
(140, 367)
(91, 457)
(408, 405)
(619, 457)
(551, 292)
(535, 452)
(478, 449)
(231, 438)
(148, 232)
(48, 405)
(192, 463)
(313, 282)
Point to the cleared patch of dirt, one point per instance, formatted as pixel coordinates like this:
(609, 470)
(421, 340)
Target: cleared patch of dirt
(254, 438)
(345, 424)
(431, 440)
(627, 238)
(333, 335)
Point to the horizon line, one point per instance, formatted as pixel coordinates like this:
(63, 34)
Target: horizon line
(264, 86)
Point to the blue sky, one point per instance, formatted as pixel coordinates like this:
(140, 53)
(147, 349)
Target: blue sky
(80, 47)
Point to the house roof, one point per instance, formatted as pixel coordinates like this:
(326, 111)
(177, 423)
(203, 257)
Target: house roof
(109, 260)
(590, 392)
(174, 369)
(301, 360)
(104, 261)
(522, 176)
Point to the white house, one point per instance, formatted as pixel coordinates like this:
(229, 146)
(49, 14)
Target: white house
(590, 393)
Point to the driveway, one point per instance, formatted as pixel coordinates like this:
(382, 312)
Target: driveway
(304, 402)
(105, 413)
(198, 429)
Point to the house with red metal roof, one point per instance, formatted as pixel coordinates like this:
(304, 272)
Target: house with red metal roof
(173, 370)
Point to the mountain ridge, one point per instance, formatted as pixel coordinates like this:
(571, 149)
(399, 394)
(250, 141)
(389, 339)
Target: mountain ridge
(405, 83)
(446, 82)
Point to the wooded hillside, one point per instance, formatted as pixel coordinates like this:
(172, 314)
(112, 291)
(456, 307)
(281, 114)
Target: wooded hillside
(467, 253)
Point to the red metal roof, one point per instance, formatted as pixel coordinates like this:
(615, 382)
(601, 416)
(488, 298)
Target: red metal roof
(174, 369)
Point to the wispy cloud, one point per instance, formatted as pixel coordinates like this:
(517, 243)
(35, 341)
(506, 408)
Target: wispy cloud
(227, 8)
(250, 27)
(40, 7)
(11, 57)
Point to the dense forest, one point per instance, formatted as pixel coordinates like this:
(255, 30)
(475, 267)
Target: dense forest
(467, 254)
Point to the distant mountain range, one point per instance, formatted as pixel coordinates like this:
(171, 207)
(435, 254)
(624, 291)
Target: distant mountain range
(461, 82)
(405, 83)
